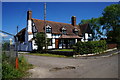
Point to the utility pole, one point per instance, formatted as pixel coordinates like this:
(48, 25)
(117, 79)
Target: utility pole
(45, 25)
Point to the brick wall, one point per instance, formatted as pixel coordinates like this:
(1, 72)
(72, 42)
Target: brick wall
(112, 45)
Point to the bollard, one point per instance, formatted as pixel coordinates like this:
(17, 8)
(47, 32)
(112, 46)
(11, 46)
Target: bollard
(16, 63)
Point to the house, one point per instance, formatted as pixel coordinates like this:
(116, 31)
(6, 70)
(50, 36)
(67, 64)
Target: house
(61, 35)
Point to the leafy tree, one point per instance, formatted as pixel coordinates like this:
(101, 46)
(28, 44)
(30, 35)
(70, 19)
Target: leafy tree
(6, 45)
(40, 41)
(111, 17)
(111, 22)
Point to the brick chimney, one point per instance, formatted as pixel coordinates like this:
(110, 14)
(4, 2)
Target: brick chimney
(73, 20)
(29, 15)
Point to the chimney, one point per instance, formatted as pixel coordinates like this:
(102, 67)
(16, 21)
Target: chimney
(29, 15)
(73, 20)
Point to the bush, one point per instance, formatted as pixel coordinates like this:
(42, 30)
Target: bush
(9, 71)
(90, 47)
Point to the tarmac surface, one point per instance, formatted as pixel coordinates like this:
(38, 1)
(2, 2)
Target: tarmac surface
(81, 67)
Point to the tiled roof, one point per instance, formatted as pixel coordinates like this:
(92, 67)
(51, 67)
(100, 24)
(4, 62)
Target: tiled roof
(70, 36)
(85, 28)
(20, 33)
(56, 26)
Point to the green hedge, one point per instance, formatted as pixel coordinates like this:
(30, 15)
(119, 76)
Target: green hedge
(90, 47)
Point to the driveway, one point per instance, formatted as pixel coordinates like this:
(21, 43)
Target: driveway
(52, 67)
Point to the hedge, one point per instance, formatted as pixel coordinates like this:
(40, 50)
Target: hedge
(90, 47)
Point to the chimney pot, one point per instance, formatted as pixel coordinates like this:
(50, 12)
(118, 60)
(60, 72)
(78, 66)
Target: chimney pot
(29, 15)
(73, 20)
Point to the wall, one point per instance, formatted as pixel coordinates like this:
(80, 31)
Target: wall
(86, 37)
(24, 46)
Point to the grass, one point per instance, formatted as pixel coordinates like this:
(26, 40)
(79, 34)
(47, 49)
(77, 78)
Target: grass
(46, 54)
(63, 50)
(9, 71)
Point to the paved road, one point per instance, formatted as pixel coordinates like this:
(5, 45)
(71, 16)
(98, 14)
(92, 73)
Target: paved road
(52, 67)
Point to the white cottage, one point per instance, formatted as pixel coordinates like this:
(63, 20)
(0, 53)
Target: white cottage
(61, 35)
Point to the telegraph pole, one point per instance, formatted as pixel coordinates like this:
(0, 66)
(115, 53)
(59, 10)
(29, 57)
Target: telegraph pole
(45, 25)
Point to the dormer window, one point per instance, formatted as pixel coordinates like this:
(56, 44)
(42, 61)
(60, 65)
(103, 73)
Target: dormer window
(48, 29)
(63, 30)
(75, 30)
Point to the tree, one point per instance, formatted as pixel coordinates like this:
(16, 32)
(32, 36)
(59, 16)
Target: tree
(40, 41)
(6, 45)
(95, 26)
(111, 17)
(111, 22)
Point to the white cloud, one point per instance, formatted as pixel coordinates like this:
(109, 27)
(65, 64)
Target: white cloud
(3, 35)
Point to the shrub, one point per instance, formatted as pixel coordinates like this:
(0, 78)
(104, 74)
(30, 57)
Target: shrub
(9, 71)
(90, 47)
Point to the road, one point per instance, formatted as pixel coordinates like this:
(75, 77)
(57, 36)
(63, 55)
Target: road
(52, 67)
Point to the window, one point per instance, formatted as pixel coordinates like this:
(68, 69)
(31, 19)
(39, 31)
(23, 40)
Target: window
(48, 29)
(34, 29)
(63, 30)
(75, 30)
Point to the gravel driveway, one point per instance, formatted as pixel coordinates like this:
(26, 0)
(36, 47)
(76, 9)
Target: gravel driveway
(52, 67)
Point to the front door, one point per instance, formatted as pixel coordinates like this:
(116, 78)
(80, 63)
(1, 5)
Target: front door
(56, 43)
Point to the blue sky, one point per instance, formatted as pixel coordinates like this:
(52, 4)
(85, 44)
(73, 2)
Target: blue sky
(15, 13)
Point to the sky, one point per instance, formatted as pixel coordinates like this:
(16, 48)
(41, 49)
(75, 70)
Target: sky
(15, 13)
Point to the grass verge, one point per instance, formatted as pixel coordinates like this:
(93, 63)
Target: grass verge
(46, 54)
(63, 50)
(9, 71)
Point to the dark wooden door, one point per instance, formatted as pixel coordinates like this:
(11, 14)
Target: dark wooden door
(56, 43)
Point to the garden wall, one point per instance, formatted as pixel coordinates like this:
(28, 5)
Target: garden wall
(111, 45)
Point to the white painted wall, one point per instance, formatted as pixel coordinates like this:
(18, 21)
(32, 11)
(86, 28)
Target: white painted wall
(82, 39)
(24, 46)
(29, 29)
(49, 35)
(34, 47)
(75, 40)
(30, 37)
(29, 26)
(49, 47)
(53, 43)
(86, 37)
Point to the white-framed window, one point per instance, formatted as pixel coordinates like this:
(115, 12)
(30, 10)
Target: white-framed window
(48, 29)
(64, 30)
(75, 30)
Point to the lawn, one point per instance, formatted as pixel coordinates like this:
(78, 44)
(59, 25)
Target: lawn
(46, 54)
(63, 50)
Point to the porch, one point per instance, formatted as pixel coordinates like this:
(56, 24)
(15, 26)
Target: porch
(66, 42)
